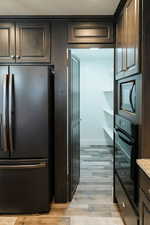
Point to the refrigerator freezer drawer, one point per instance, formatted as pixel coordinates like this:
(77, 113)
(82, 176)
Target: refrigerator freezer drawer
(24, 188)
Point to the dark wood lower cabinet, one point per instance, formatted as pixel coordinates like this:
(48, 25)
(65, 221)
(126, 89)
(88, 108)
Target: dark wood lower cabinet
(144, 191)
(126, 210)
(144, 209)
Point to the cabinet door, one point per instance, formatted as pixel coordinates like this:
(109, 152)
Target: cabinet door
(7, 42)
(127, 211)
(144, 209)
(90, 32)
(32, 42)
(120, 48)
(132, 36)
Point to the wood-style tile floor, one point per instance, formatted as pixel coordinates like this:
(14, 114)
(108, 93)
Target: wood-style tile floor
(92, 203)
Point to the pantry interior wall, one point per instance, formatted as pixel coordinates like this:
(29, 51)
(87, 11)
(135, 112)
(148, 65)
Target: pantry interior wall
(96, 95)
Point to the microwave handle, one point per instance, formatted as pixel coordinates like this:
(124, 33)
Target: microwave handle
(131, 93)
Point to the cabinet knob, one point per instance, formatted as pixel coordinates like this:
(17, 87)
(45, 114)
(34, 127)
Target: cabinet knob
(12, 56)
(123, 205)
(17, 56)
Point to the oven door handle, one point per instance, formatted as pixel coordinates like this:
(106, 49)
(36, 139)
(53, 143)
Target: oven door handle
(126, 140)
(123, 137)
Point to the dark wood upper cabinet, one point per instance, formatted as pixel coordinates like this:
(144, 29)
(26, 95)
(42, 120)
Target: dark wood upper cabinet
(132, 36)
(32, 42)
(24, 42)
(7, 42)
(94, 32)
(120, 65)
(127, 41)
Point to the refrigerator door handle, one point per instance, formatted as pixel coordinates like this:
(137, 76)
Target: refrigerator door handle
(4, 115)
(32, 166)
(11, 76)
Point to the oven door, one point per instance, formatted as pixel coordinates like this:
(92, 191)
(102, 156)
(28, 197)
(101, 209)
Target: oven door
(125, 161)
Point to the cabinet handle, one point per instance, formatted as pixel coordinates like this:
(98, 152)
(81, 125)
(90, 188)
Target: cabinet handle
(123, 205)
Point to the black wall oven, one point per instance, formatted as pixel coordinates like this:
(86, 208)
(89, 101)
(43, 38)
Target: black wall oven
(126, 153)
(129, 97)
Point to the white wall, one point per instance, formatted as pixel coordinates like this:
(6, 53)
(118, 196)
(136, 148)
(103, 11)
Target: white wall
(96, 76)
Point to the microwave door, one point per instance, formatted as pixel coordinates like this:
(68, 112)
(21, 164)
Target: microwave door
(125, 97)
(127, 94)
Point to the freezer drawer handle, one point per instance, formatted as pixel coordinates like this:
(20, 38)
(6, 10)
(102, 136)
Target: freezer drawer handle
(4, 115)
(33, 166)
(10, 111)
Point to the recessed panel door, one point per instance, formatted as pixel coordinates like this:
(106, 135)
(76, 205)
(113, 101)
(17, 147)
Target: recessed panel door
(32, 42)
(7, 42)
(132, 37)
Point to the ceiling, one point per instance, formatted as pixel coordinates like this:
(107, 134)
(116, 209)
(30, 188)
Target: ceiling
(58, 7)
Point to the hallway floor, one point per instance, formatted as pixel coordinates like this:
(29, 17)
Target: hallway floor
(92, 203)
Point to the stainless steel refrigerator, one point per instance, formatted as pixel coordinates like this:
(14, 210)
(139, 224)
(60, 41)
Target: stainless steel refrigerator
(25, 148)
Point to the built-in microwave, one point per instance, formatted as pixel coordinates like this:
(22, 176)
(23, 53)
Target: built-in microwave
(129, 97)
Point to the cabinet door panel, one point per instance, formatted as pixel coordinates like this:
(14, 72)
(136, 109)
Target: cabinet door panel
(132, 37)
(93, 32)
(33, 42)
(144, 209)
(127, 212)
(146, 215)
(120, 48)
(127, 41)
(7, 42)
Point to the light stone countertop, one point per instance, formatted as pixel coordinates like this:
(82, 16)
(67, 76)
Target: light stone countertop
(144, 164)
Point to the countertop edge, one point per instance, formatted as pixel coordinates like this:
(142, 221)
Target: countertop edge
(144, 164)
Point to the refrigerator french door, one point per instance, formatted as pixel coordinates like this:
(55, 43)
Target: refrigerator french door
(24, 139)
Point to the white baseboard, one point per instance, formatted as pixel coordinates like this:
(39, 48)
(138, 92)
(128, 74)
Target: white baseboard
(86, 142)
